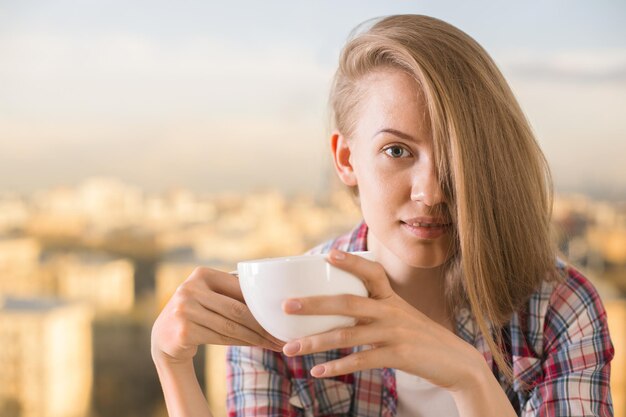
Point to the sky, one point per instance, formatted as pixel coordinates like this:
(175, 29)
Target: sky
(231, 96)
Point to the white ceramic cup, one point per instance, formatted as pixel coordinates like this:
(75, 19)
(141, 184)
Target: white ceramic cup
(266, 283)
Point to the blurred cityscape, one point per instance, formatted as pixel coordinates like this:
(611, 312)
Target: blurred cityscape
(85, 270)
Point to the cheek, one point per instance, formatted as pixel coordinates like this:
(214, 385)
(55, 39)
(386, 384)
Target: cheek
(373, 170)
(381, 192)
(379, 184)
(384, 182)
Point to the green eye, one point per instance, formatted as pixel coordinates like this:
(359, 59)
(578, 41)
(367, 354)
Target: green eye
(396, 151)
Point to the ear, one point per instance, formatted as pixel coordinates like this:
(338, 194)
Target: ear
(342, 158)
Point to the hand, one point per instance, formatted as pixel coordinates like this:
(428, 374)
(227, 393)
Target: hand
(400, 336)
(208, 308)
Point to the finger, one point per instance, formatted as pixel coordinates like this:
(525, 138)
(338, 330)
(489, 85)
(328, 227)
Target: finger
(336, 339)
(234, 310)
(200, 335)
(371, 273)
(220, 282)
(368, 359)
(223, 329)
(362, 308)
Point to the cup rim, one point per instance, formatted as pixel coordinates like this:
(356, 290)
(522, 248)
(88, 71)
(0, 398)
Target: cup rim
(294, 258)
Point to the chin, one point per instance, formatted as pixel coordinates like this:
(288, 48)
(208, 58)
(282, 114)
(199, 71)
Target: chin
(421, 255)
(427, 263)
(422, 259)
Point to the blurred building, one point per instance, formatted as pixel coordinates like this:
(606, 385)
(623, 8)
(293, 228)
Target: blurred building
(176, 266)
(608, 243)
(14, 213)
(210, 361)
(258, 227)
(106, 283)
(616, 315)
(215, 371)
(317, 223)
(125, 379)
(156, 241)
(45, 357)
(169, 276)
(183, 236)
(177, 208)
(262, 224)
(57, 213)
(20, 274)
(109, 204)
(96, 207)
(18, 253)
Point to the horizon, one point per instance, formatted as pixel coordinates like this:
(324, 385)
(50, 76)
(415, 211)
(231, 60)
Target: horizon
(597, 195)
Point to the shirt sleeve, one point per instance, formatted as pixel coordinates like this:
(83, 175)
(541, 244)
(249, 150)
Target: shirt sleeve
(258, 383)
(577, 355)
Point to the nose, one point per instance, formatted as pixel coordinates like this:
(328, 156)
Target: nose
(425, 186)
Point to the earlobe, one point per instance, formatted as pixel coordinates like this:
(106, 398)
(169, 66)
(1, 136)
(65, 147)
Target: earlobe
(342, 158)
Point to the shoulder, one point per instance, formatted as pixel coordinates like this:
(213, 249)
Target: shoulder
(561, 334)
(572, 298)
(575, 311)
(351, 241)
(566, 308)
(561, 348)
(560, 315)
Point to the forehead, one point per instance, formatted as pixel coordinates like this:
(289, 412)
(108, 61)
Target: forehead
(391, 99)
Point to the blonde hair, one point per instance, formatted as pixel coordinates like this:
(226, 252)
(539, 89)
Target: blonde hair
(495, 179)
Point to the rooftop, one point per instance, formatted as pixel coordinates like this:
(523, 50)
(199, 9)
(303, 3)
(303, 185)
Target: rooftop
(12, 304)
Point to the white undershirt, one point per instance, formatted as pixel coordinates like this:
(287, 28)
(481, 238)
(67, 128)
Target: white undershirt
(419, 398)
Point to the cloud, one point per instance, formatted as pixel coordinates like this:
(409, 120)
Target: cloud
(66, 88)
(198, 110)
(222, 113)
(572, 66)
(574, 100)
(125, 74)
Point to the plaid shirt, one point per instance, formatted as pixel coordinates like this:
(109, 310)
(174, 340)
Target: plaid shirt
(560, 345)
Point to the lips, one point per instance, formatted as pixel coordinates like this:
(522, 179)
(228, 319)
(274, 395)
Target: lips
(425, 221)
(423, 230)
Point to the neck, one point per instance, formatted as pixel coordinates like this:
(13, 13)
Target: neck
(423, 288)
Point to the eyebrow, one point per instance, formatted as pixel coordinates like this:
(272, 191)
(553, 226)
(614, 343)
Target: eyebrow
(396, 133)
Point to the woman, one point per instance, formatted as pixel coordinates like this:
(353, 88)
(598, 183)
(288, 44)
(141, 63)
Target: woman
(470, 312)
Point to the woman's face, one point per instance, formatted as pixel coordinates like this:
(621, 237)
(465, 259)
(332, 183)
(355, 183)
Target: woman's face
(390, 158)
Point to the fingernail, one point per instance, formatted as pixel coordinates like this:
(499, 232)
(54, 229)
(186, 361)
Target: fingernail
(293, 305)
(318, 370)
(291, 348)
(337, 255)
